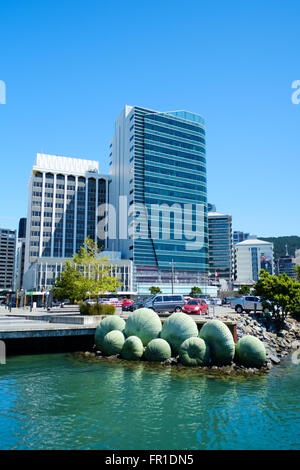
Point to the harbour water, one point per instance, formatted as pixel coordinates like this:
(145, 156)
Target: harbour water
(60, 401)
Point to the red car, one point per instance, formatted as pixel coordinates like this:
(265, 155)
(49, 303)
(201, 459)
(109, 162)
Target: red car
(127, 302)
(195, 306)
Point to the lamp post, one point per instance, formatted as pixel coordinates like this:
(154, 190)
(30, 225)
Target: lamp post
(172, 274)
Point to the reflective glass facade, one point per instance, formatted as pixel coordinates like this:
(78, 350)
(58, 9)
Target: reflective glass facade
(168, 156)
(220, 245)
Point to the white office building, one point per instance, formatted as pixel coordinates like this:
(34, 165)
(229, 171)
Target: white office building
(252, 255)
(65, 200)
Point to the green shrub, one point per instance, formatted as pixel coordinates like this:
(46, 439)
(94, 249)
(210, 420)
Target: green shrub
(83, 308)
(220, 341)
(250, 352)
(133, 349)
(96, 309)
(194, 352)
(157, 350)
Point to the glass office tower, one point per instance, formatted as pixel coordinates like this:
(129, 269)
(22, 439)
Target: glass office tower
(220, 246)
(158, 170)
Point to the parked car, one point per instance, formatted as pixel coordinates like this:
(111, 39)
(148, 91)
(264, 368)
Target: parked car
(126, 302)
(89, 301)
(195, 306)
(165, 303)
(248, 304)
(227, 300)
(116, 302)
(139, 303)
(216, 301)
(206, 298)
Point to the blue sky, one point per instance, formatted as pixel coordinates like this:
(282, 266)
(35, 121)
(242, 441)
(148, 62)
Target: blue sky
(70, 67)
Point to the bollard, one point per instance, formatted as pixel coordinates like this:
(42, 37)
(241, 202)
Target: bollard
(2, 352)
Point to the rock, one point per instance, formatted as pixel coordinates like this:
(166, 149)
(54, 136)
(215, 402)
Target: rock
(248, 330)
(274, 359)
(170, 362)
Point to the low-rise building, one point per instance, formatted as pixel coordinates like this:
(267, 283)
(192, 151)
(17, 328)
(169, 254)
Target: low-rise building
(252, 255)
(42, 274)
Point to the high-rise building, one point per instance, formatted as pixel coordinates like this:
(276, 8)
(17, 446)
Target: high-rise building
(20, 255)
(252, 255)
(22, 228)
(241, 236)
(63, 200)
(211, 207)
(158, 189)
(7, 258)
(220, 246)
(285, 264)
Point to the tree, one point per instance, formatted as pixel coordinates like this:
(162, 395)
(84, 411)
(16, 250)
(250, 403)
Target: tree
(155, 290)
(69, 285)
(280, 293)
(195, 291)
(297, 270)
(86, 274)
(244, 290)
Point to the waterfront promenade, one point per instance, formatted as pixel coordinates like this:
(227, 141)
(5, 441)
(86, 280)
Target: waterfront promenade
(62, 329)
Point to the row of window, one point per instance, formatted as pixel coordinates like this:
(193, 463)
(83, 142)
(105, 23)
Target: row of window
(195, 186)
(176, 153)
(174, 172)
(173, 132)
(174, 143)
(175, 123)
(170, 161)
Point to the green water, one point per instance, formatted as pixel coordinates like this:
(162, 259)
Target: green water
(61, 402)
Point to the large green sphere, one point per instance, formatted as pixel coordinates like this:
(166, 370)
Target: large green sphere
(158, 350)
(177, 328)
(220, 341)
(133, 349)
(250, 352)
(194, 352)
(109, 323)
(143, 323)
(113, 342)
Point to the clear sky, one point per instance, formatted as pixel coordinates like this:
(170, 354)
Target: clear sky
(70, 66)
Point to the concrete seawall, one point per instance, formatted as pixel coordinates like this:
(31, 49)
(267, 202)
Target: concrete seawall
(24, 332)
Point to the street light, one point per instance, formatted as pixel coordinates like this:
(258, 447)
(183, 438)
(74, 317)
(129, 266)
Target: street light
(172, 278)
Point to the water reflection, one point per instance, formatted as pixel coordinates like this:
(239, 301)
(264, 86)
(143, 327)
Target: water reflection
(62, 402)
